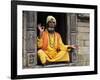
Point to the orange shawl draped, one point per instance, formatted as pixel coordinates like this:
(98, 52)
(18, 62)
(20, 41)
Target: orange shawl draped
(45, 40)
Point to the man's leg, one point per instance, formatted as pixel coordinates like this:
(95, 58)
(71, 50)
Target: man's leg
(42, 56)
(62, 56)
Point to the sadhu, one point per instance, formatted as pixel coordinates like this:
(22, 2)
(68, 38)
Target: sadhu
(50, 45)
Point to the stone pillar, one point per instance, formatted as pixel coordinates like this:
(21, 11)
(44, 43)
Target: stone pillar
(72, 32)
(29, 39)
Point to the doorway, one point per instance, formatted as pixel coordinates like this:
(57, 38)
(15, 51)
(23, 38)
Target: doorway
(61, 26)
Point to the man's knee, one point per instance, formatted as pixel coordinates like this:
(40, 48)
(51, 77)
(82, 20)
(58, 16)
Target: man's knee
(42, 57)
(41, 52)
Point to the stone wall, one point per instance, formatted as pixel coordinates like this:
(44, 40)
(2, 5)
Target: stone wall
(83, 42)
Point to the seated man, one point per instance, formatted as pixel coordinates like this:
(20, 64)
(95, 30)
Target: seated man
(51, 47)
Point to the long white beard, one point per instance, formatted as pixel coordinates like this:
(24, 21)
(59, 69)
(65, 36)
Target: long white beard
(51, 29)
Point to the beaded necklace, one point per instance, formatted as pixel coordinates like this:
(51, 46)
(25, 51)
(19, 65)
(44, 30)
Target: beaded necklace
(52, 41)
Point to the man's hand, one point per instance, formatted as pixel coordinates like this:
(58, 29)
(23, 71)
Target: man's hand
(41, 28)
(75, 46)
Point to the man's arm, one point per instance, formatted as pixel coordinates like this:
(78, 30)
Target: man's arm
(39, 38)
(63, 46)
(60, 43)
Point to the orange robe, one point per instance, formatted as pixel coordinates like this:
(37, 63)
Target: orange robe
(51, 48)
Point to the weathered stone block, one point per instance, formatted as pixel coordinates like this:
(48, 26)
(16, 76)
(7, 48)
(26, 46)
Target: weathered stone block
(83, 60)
(83, 36)
(81, 24)
(84, 50)
(86, 43)
(83, 29)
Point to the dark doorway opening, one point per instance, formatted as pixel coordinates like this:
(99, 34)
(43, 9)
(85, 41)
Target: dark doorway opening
(61, 26)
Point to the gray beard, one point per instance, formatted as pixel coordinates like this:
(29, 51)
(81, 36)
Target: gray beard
(51, 29)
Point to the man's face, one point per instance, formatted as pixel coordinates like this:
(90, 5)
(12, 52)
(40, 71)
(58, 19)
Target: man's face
(51, 23)
(51, 26)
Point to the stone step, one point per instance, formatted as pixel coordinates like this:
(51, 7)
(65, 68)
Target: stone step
(55, 65)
